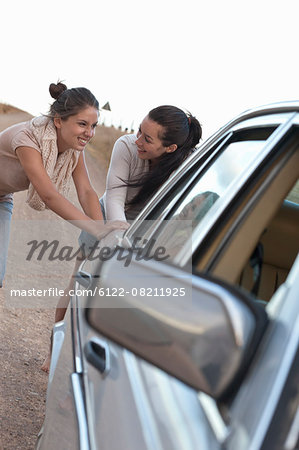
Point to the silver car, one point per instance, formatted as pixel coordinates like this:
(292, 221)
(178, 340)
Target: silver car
(186, 335)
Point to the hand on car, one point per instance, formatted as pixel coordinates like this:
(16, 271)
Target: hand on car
(104, 229)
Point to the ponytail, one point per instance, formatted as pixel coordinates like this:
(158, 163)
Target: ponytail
(179, 128)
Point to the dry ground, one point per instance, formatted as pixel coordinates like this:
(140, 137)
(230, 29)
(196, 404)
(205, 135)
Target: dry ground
(25, 333)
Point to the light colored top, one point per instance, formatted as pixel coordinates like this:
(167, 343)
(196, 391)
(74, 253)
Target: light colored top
(12, 175)
(59, 166)
(125, 165)
(39, 134)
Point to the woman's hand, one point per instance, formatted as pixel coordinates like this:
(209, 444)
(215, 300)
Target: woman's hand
(102, 230)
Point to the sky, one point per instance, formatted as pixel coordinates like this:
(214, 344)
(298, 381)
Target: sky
(215, 59)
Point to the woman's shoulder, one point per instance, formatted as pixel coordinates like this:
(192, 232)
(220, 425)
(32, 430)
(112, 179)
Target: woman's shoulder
(21, 134)
(127, 139)
(16, 128)
(10, 133)
(126, 144)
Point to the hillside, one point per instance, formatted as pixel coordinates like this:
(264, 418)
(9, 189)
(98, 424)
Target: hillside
(8, 109)
(9, 115)
(102, 143)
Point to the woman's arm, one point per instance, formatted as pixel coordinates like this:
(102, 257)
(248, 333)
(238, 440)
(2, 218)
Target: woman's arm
(31, 162)
(118, 174)
(86, 194)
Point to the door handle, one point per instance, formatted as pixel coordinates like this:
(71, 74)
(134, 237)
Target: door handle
(84, 278)
(97, 353)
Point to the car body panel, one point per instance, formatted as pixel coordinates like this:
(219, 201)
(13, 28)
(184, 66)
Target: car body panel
(61, 420)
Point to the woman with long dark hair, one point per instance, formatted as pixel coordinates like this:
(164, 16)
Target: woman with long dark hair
(141, 163)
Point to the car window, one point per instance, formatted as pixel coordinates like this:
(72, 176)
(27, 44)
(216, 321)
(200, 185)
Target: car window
(294, 194)
(217, 179)
(211, 185)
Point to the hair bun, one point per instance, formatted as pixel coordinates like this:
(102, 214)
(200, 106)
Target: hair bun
(57, 89)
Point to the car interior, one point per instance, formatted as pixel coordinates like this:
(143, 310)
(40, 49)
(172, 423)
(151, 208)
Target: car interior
(265, 242)
(275, 254)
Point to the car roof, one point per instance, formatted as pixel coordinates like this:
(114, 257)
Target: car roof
(282, 107)
(272, 108)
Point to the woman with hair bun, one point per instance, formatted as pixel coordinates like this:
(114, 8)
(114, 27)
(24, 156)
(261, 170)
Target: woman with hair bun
(43, 155)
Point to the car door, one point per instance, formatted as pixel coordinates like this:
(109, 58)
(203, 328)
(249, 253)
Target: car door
(131, 394)
(131, 404)
(260, 408)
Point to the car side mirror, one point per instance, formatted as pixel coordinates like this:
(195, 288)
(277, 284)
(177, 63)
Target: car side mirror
(198, 329)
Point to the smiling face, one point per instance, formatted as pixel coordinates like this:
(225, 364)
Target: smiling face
(77, 130)
(149, 143)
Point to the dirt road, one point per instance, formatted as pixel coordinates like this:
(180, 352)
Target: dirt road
(24, 340)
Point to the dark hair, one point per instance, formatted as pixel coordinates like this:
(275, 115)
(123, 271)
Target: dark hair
(179, 128)
(69, 102)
